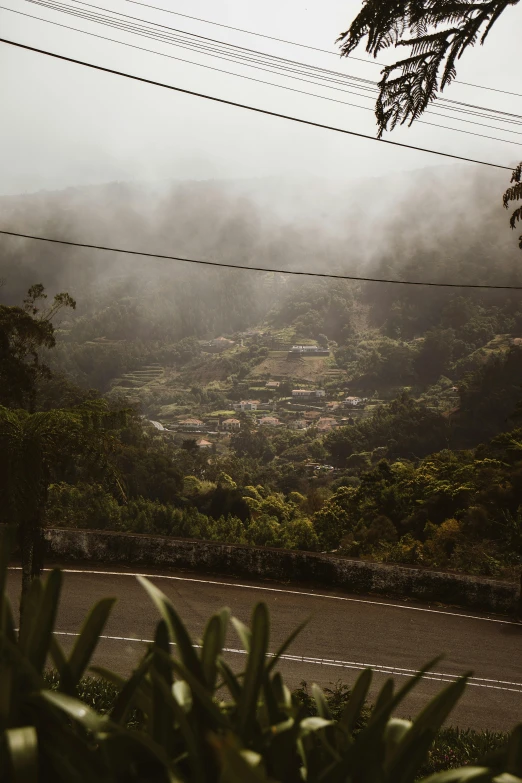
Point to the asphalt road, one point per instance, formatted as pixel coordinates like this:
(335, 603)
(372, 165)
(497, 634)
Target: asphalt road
(345, 634)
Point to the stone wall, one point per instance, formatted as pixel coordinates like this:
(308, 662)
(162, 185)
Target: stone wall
(354, 576)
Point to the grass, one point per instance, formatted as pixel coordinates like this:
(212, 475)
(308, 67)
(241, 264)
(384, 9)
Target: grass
(452, 747)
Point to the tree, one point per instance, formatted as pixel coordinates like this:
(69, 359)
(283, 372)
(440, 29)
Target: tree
(436, 33)
(32, 448)
(23, 331)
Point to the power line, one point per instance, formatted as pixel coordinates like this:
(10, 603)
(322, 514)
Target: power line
(279, 86)
(301, 45)
(255, 109)
(224, 265)
(222, 50)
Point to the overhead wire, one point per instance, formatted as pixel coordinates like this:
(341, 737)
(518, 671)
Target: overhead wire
(273, 84)
(243, 267)
(215, 47)
(248, 107)
(113, 23)
(301, 45)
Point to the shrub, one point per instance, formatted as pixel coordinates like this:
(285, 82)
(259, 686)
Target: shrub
(199, 722)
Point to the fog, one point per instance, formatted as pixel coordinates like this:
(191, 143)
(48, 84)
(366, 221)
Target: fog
(63, 125)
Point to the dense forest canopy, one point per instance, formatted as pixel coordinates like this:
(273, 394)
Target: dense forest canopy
(411, 453)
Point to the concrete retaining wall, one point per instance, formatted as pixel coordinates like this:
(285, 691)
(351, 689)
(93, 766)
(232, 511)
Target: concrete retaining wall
(354, 576)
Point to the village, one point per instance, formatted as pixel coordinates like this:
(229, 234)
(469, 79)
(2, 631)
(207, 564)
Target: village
(272, 403)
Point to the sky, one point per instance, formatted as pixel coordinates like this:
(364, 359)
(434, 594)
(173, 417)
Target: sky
(63, 125)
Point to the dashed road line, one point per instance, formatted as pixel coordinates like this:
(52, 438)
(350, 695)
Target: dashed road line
(477, 682)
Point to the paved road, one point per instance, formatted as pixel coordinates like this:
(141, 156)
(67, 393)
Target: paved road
(345, 634)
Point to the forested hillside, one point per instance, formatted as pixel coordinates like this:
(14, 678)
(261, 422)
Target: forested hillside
(391, 433)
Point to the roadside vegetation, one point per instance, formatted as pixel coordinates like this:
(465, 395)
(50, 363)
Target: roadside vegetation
(185, 715)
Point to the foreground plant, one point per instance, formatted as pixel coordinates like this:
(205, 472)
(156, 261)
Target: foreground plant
(199, 720)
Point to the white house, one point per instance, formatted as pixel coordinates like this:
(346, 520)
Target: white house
(269, 421)
(249, 405)
(309, 349)
(231, 425)
(353, 401)
(190, 425)
(308, 393)
(299, 424)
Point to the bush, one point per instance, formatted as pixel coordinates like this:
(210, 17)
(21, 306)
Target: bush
(199, 722)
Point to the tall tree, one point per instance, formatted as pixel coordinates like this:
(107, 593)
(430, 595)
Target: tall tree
(24, 331)
(32, 448)
(435, 33)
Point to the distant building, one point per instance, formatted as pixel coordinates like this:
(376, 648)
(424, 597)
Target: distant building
(299, 424)
(353, 401)
(249, 405)
(308, 393)
(273, 384)
(190, 425)
(218, 344)
(203, 444)
(326, 424)
(269, 421)
(310, 415)
(231, 425)
(313, 350)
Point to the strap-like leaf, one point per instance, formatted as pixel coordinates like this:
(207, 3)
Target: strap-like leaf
(323, 710)
(213, 642)
(128, 696)
(514, 752)
(230, 679)
(22, 744)
(177, 630)
(250, 694)
(243, 632)
(88, 639)
(38, 646)
(352, 711)
(286, 644)
(76, 710)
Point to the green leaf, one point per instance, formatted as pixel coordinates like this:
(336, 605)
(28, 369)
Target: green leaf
(88, 639)
(315, 723)
(210, 709)
(247, 707)
(230, 679)
(183, 695)
(22, 745)
(477, 774)
(425, 726)
(31, 608)
(6, 546)
(131, 693)
(177, 630)
(286, 644)
(194, 741)
(243, 632)
(352, 711)
(213, 643)
(76, 710)
(514, 752)
(140, 696)
(39, 642)
(320, 702)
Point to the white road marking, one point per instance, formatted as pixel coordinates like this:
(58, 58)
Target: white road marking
(288, 592)
(478, 682)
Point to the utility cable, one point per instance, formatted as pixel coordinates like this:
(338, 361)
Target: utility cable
(281, 86)
(259, 268)
(222, 50)
(247, 107)
(301, 45)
